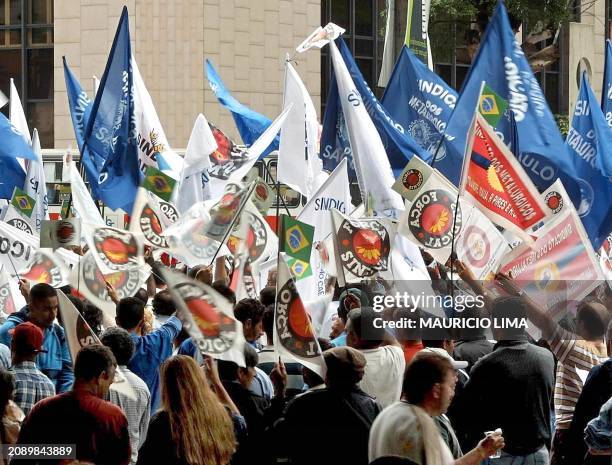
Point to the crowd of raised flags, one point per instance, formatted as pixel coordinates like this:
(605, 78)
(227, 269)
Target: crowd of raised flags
(483, 175)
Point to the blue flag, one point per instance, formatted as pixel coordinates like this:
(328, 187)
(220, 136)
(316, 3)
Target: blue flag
(606, 89)
(589, 139)
(12, 176)
(250, 124)
(501, 63)
(108, 133)
(13, 143)
(422, 102)
(399, 145)
(79, 104)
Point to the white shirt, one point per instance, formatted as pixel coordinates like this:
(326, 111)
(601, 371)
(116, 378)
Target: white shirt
(383, 374)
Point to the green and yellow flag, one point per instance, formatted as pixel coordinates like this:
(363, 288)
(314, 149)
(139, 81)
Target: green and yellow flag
(296, 241)
(158, 183)
(23, 202)
(492, 106)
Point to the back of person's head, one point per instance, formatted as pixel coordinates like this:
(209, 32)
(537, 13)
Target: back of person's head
(344, 307)
(119, 341)
(130, 312)
(157, 273)
(345, 367)
(310, 377)
(593, 317)
(7, 386)
(362, 332)
(249, 309)
(268, 321)
(163, 304)
(142, 295)
(512, 308)
(201, 428)
(92, 361)
(78, 303)
(251, 358)
(42, 291)
(425, 370)
(225, 291)
(93, 317)
(267, 296)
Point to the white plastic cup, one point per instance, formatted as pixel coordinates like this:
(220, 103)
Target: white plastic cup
(497, 454)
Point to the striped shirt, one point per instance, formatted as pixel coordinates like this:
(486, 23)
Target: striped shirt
(31, 385)
(572, 354)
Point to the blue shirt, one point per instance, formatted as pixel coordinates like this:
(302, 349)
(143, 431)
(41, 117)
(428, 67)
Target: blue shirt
(340, 341)
(56, 363)
(150, 352)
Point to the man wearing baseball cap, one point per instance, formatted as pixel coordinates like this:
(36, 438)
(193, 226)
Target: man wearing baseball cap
(31, 385)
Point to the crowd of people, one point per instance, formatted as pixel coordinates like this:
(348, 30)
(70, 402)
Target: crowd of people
(146, 395)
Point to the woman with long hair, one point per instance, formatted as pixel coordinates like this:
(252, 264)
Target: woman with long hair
(193, 427)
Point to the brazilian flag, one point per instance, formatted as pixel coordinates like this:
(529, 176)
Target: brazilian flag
(299, 269)
(296, 238)
(158, 183)
(492, 106)
(23, 202)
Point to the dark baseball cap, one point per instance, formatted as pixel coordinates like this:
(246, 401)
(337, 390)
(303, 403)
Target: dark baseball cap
(27, 337)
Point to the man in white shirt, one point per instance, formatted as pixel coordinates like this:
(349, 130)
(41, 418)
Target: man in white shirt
(385, 366)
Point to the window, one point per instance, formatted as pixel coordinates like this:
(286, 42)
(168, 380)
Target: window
(26, 55)
(365, 22)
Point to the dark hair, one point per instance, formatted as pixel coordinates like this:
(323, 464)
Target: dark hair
(142, 295)
(7, 386)
(194, 271)
(593, 319)
(324, 344)
(155, 271)
(163, 304)
(362, 324)
(249, 309)
(267, 296)
(119, 341)
(225, 291)
(42, 291)
(268, 321)
(78, 303)
(92, 361)
(130, 312)
(422, 373)
(93, 316)
(508, 307)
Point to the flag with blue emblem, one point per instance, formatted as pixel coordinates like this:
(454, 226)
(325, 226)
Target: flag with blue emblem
(589, 140)
(250, 124)
(107, 136)
(501, 63)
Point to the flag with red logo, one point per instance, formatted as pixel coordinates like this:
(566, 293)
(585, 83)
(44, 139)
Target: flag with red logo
(242, 282)
(7, 301)
(294, 335)
(114, 249)
(207, 317)
(44, 268)
(362, 247)
(225, 212)
(495, 180)
(261, 242)
(148, 219)
(560, 266)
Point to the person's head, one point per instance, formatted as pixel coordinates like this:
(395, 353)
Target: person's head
(201, 429)
(267, 296)
(157, 275)
(27, 342)
(345, 367)
(163, 304)
(225, 291)
(119, 341)
(447, 344)
(591, 320)
(142, 295)
(93, 316)
(350, 299)
(251, 359)
(130, 314)
(268, 323)
(508, 307)
(311, 378)
(250, 313)
(7, 386)
(43, 305)
(429, 382)
(361, 332)
(204, 275)
(94, 369)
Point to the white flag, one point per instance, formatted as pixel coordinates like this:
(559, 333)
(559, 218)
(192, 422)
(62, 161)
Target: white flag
(82, 201)
(17, 116)
(299, 165)
(334, 193)
(153, 147)
(320, 37)
(78, 332)
(260, 239)
(389, 50)
(372, 166)
(35, 185)
(12, 216)
(191, 188)
(8, 301)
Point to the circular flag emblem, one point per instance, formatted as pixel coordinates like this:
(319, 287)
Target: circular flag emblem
(431, 218)
(169, 211)
(476, 246)
(118, 250)
(126, 283)
(84, 334)
(7, 304)
(65, 232)
(199, 245)
(554, 201)
(412, 179)
(218, 331)
(261, 191)
(293, 326)
(364, 247)
(43, 270)
(21, 225)
(547, 276)
(256, 237)
(151, 227)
